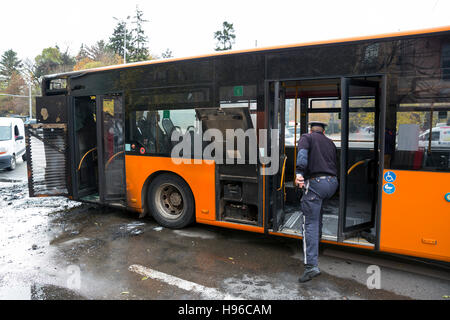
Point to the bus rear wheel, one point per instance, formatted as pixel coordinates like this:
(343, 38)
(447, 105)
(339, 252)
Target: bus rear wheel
(170, 201)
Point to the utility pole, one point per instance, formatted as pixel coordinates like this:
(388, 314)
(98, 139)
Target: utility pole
(125, 42)
(30, 101)
(124, 38)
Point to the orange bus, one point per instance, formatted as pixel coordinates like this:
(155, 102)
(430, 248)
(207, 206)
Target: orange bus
(106, 136)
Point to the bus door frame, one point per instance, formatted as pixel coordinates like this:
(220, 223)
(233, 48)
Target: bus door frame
(380, 112)
(279, 105)
(101, 147)
(274, 202)
(72, 143)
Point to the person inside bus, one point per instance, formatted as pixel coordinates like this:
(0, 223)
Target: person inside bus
(316, 173)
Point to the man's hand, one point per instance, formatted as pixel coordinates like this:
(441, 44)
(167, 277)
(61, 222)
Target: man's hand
(299, 181)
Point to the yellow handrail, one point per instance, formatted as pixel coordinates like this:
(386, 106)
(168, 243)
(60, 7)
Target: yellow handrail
(282, 174)
(81, 161)
(295, 131)
(110, 159)
(357, 164)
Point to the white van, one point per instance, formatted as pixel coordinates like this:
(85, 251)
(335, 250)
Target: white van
(440, 137)
(12, 142)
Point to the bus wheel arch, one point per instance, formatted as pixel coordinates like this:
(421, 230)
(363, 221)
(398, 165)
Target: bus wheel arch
(168, 198)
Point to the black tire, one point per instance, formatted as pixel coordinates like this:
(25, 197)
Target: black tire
(12, 163)
(24, 157)
(170, 201)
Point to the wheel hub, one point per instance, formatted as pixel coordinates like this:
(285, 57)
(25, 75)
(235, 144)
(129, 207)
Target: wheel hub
(170, 201)
(175, 198)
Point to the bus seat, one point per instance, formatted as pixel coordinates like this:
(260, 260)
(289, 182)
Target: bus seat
(168, 126)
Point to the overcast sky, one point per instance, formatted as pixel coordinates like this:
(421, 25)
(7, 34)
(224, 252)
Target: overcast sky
(187, 27)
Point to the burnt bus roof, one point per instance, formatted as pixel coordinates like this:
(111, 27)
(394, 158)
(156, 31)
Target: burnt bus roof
(386, 36)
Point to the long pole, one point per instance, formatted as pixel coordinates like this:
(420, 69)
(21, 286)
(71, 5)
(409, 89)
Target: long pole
(125, 44)
(30, 102)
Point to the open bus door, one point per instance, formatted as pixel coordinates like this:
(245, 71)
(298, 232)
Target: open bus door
(360, 157)
(111, 149)
(47, 151)
(99, 147)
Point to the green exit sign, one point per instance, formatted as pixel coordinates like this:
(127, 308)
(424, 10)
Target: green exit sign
(166, 114)
(238, 91)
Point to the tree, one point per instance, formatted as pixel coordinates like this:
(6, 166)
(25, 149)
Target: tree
(225, 37)
(99, 51)
(97, 55)
(9, 63)
(139, 50)
(88, 63)
(52, 60)
(167, 54)
(29, 72)
(136, 40)
(82, 53)
(116, 41)
(10, 104)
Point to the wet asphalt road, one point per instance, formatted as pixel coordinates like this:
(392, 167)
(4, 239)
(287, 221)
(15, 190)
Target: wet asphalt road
(53, 248)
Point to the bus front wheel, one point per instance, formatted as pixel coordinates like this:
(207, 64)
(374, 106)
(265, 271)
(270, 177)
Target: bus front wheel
(170, 201)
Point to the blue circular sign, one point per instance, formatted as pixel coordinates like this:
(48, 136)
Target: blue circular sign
(447, 197)
(389, 188)
(390, 176)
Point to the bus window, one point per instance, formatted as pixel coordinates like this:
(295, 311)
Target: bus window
(238, 97)
(289, 118)
(361, 120)
(414, 149)
(154, 114)
(321, 110)
(153, 130)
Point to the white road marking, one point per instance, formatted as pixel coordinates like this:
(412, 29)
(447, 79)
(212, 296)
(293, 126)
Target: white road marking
(208, 293)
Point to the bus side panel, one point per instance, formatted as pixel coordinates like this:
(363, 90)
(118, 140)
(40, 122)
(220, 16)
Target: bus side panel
(199, 177)
(415, 218)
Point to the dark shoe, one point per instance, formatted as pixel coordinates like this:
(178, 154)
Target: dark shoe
(309, 273)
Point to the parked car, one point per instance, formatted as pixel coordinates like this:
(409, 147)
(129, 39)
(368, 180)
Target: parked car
(30, 121)
(440, 137)
(290, 137)
(12, 142)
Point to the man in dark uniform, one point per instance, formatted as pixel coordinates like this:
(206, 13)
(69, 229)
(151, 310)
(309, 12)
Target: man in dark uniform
(316, 173)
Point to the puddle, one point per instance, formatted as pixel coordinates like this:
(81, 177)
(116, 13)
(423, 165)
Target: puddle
(195, 234)
(277, 287)
(129, 229)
